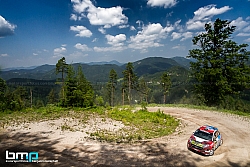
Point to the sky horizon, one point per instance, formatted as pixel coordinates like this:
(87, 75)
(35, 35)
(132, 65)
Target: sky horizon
(37, 32)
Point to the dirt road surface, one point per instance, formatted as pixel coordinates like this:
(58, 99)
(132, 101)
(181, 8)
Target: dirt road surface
(165, 151)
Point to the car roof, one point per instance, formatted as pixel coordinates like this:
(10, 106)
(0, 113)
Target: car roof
(209, 129)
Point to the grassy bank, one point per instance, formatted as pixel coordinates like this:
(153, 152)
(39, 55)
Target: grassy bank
(139, 125)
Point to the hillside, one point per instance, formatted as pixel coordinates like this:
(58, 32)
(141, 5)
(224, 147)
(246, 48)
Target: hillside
(99, 72)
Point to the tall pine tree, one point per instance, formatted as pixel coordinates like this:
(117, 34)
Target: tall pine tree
(220, 67)
(130, 81)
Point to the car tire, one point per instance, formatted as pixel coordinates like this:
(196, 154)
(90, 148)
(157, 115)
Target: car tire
(221, 142)
(211, 152)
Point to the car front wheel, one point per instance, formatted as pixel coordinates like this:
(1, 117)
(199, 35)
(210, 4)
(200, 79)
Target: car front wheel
(211, 152)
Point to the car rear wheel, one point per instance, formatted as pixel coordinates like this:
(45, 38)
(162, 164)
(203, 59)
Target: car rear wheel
(221, 142)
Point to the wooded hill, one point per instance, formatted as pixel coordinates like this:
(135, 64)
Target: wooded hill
(99, 72)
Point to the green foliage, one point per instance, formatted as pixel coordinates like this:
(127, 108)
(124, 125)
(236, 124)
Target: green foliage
(111, 86)
(3, 87)
(166, 84)
(220, 68)
(99, 101)
(130, 80)
(78, 91)
(62, 67)
(51, 97)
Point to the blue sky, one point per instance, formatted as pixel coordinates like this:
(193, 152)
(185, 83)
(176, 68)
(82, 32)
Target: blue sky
(36, 32)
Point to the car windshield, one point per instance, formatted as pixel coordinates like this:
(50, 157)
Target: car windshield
(203, 135)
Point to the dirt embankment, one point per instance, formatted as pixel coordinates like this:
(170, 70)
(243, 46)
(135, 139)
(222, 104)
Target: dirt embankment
(74, 148)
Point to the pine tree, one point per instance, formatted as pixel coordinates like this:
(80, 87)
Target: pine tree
(61, 67)
(130, 80)
(111, 86)
(84, 92)
(166, 84)
(70, 87)
(3, 87)
(220, 68)
(51, 97)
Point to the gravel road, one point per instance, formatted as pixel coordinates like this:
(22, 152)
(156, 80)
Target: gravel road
(165, 151)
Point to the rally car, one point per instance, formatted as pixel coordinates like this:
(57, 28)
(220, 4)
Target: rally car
(205, 140)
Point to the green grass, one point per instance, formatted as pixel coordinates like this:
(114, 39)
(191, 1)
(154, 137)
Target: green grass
(139, 125)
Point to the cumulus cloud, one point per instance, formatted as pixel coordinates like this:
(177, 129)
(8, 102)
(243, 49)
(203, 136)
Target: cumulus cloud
(116, 40)
(150, 36)
(247, 29)
(100, 16)
(165, 3)
(58, 52)
(183, 36)
(132, 28)
(102, 30)
(239, 23)
(81, 31)
(6, 28)
(73, 17)
(203, 15)
(82, 47)
(175, 35)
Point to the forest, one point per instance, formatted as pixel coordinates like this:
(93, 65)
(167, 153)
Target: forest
(217, 74)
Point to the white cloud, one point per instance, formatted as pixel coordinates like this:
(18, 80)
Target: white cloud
(176, 35)
(247, 29)
(6, 28)
(150, 36)
(123, 26)
(73, 17)
(203, 15)
(116, 40)
(58, 52)
(4, 55)
(100, 16)
(81, 31)
(82, 47)
(35, 54)
(239, 23)
(102, 30)
(165, 3)
(243, 34)
(94, 40)
(109, 49)
(179, 47)
(185, 35)
(247, 40)
(132, 28)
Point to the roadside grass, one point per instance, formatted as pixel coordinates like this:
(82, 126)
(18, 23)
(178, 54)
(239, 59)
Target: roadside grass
(139, 125)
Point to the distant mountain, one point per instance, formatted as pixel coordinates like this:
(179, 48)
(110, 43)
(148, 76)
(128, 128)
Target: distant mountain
(18, 68)
(183, 61)
(153, 65)
(105, 62)
(99, 72)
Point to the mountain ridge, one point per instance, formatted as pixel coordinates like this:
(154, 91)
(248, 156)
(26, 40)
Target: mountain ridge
(99, 72)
